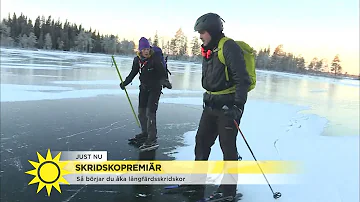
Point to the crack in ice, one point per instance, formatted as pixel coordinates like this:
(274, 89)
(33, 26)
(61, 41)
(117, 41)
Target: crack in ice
(72, 196)
(88, 131)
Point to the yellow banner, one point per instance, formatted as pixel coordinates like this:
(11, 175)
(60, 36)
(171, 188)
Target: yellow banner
(50, 171)
(184, 167)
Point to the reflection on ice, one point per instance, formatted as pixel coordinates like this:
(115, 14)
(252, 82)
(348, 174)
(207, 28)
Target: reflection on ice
(93, 74)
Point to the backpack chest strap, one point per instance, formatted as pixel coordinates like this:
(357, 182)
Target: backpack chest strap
(142, 64)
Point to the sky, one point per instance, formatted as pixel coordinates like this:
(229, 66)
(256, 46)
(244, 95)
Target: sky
(320, 28)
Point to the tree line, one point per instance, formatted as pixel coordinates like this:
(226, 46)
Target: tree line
(51, 34)
(279, 60)
(20, 31)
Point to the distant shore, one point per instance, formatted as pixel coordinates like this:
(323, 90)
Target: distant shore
(197, 60)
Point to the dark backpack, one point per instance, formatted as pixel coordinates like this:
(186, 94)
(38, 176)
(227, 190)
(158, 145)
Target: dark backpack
(159, 52)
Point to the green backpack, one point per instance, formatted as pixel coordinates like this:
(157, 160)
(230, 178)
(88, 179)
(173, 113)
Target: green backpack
(248, 56)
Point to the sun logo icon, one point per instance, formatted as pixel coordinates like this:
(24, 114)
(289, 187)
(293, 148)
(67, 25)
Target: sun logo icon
(48, 172)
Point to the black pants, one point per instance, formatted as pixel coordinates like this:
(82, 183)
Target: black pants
(214, 123)
(148, 105)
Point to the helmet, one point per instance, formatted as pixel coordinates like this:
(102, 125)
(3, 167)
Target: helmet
(209, 21)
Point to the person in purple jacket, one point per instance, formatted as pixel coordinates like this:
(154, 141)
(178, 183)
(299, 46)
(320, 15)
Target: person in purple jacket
(153, 77)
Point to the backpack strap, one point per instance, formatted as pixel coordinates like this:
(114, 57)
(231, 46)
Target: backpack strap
(221, 55)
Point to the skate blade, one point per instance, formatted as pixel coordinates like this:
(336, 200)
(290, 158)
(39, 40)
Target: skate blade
(149, 148)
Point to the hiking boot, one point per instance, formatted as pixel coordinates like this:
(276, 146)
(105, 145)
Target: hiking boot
(138, 137)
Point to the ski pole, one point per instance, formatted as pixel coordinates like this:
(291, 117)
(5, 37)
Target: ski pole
(127, 95)
(276, 195)
(166, 59)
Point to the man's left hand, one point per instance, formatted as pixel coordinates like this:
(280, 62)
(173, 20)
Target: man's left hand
(234, 112)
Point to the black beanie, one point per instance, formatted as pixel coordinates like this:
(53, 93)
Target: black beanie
(215, 38)
(214, 34)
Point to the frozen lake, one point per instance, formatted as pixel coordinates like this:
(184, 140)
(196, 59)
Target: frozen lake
(37, 75)
(288, 117)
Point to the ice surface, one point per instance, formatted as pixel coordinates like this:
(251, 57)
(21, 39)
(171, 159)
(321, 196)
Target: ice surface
(33, 66)
(273, 123)
(13, 93)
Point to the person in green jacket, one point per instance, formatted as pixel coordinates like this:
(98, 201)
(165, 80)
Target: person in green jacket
(224, 100)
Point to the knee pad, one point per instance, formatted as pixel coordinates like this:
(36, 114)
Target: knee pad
(150, 114)
(141, 112)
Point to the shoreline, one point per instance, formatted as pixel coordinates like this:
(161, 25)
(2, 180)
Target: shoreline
(194, 61)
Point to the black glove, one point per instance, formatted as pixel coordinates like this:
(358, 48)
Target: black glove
(234, 112)
(166, 83)
(122, 86)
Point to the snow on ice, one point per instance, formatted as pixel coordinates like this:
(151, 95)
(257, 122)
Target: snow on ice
(277, 131)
